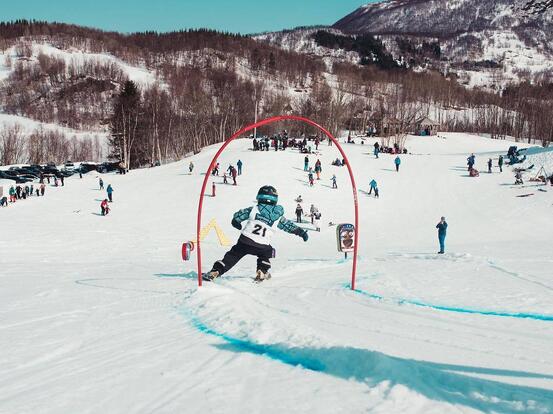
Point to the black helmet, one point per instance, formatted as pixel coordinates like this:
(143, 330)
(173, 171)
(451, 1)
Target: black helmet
(267, 195)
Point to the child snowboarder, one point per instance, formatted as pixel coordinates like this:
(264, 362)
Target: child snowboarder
(397, 162)
(333, 179)
(104, 206)
(255, 238)
(442, 231)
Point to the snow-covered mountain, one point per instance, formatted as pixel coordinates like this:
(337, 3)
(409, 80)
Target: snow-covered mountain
(488, 43)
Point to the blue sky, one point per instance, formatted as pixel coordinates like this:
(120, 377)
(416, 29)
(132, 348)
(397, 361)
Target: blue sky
(243, 16)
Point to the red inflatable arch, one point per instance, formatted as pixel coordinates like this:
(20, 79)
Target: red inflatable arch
(258, 125)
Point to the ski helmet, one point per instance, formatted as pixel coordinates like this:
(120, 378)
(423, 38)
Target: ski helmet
(267, 195)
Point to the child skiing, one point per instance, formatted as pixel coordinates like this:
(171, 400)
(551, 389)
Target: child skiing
(256, 235)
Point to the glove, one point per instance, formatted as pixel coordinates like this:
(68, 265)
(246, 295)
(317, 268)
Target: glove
(236, 224)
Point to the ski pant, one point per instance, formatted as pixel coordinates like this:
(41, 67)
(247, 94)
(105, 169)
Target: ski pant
(298, 217)
(110, 197)
(397, 167)
(241, 249)
(441, 239)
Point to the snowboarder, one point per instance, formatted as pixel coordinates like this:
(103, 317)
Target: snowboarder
(255, 238)
(104, 206)
(101, 182)
(500, 163)
(489, 166)
(397, 162)
(373, 187)
(306, 163)
(190, 167)
(239, 165)
(299, 213)
(442, 230)
(333, 179)
(109, 190)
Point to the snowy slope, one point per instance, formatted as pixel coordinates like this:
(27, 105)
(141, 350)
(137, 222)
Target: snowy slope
(100, 315)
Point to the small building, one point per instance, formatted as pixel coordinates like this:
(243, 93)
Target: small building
(427, 127)
(387, 125)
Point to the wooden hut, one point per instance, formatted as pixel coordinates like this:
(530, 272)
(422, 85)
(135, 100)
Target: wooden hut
(426, 127)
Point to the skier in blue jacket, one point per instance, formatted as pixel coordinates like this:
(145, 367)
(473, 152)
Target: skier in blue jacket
(442, 231)
(255, 237)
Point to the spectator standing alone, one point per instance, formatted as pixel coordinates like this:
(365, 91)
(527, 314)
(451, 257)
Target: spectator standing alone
(109, 190)
(442, 231)
(299, 213)
(489, 166)
(500, 163)
(306, 163)
(239, 165)
(397, 162)
(101, 182)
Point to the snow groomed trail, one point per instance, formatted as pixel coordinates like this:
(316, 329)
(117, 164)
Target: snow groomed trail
(100, 315)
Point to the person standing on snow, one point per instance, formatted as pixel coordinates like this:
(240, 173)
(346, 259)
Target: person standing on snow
(489, 166)
(233, 174)
(471, 160)
(333, 179)
(255, 237)
(190, 167)
(299, 213)
(109, 190)
(239, 165)
(397, 162)
(306, 163)
(12, 194)
(318, 169)
(373, 187)
(313, 211)
(311, 178)
(500, 163)
(101, 182)
(376, 149)
(104, 207)
(442, 231)
(42, 189)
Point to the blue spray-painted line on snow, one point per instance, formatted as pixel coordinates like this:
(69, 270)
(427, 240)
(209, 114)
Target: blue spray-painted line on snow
(269, 351)
(520, 315)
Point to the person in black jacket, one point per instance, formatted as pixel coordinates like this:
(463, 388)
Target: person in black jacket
(442, 231)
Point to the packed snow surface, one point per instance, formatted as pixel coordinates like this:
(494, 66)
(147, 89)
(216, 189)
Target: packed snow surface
(100, 315)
